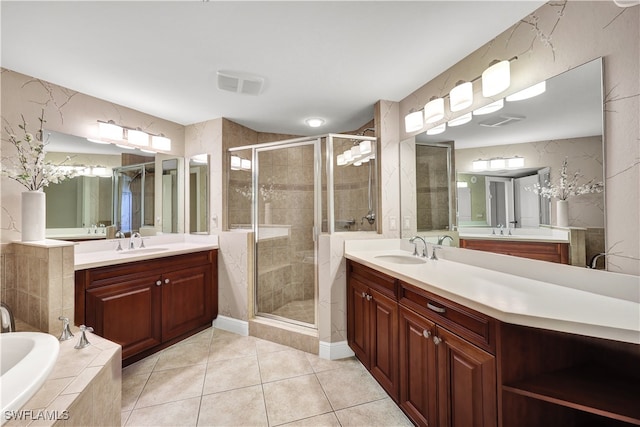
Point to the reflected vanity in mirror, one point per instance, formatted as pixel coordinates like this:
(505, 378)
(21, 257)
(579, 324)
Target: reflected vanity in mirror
(116, 189)
(538, 134)
(198, 194)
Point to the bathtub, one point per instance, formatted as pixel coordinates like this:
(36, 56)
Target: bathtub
(26, 359)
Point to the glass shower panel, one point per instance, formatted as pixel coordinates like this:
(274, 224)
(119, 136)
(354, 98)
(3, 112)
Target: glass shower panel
(286, 209)
(134, 197)
(433, 186)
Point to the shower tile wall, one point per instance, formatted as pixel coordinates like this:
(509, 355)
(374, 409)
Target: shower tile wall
(432, 188)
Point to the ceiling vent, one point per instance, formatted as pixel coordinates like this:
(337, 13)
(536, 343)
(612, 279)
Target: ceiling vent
(233, 81)
(501, 120)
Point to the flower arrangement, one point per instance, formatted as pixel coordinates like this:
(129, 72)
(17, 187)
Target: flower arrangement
(567, 185)
(28, 166)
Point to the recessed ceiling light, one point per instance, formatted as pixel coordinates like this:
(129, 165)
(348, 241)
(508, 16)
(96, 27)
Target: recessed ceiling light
(314, 122)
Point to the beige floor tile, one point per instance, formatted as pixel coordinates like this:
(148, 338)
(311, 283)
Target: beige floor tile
(264, 346)
(182, 355)
(201, 338)
(230, 374)
(231, 346)
(321, 365)
(324, 420)
(349, 386)
(241, 407)
(144, 366)
(171, 385)
(294, 399)
(132, 386)
(180, 413)
(283, 364)
(382, 413)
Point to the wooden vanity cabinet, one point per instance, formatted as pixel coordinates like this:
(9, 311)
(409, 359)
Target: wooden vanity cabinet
(445, 380)
(147, 305)
(372, 323)
(543, 251)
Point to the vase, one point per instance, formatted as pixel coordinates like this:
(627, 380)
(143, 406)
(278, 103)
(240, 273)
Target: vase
(562, 213)
(267, 213)
(34, 211)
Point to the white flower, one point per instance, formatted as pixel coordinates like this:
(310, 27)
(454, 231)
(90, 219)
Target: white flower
(28, 166)
(567, 187)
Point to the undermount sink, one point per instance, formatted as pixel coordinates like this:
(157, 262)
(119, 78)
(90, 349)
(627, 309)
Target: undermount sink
(142, 251)
(27, 358)
(401, 259)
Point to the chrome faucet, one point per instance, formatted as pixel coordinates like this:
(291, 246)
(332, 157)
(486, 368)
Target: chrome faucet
(66, 331)
(84, 342)
(415, 245)
(131, 242)
(8, 321)
(441, 239)
(119, 235)
(594, 259)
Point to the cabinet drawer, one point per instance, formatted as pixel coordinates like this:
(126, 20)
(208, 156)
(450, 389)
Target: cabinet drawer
(469, 324)
(379, 281)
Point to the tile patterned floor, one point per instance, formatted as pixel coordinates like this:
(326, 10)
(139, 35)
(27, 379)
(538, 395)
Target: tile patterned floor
(217, 378)
(301, 310)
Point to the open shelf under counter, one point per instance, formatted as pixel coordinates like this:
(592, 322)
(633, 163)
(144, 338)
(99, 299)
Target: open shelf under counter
(589, 388)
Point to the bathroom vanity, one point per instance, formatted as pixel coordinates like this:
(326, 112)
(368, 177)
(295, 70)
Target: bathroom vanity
(459, 345)
(150, 303)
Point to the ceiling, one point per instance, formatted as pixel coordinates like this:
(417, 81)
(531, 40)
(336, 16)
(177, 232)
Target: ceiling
(325, 59)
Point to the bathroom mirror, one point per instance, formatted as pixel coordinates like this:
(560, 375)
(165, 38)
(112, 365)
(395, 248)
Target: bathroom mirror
(198, 194)
(172, 205)
(564, 121)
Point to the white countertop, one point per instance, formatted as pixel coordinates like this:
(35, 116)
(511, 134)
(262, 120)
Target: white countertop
(102, 253)
(586, 302)
(518, 234)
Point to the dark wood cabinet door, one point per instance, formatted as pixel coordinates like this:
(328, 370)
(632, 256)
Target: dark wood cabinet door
(418, 373)
(466, 383)
(384, 342)
(186, 300)
(358, 334)
(127, 313)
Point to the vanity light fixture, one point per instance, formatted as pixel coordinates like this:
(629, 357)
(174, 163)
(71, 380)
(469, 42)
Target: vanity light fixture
(365, 147)
(497, 163)
(529, 92)
(355, 151)
(515, 162)
(434, 110)
(199, 158)
(413, 121)
(496, 78)
(459, 121)
(110, 130)
(161, 142)
(347, 156)
(461, 96)
(236, 163)
(138, 137)
(358, 163)
(314, 122)
(489, 108)
(340, 161)
(480, 165)
(245, 164)
(437, 129)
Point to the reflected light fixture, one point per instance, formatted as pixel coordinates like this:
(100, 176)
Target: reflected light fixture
(97, 141)
(515, 162)
(199, 158)
(413, 121)
(245, 164)
(126, 147)
(355, 151)
(434, 110)
(529, 92)
(236, 163)
(110, 130)
(340, 160)
(137, 137)
(461, 96)
(496, 78)
(497, 163)
(480, 165)
(489, 108)
(161, 142)
(458, 121)
(462, 184)
(365, 147)
(437, 129)
(314, 122)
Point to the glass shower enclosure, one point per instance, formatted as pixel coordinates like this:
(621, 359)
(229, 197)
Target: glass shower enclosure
(286, 193)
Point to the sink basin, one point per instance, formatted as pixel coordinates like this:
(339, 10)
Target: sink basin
(27, 359)
(401, 259)
(142, 251)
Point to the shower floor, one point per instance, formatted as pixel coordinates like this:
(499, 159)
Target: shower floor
(302, 311)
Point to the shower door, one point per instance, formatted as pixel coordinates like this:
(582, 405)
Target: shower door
(285, 218)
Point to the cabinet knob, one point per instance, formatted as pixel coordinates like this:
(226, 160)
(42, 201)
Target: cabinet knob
(369, 297)
(364, 295)
(166, 280)
(437, 340)
(158, 283)
(426, 333)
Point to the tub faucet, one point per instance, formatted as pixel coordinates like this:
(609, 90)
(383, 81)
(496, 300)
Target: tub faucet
(8, 321)
(441, 239)
(594, 259)
(84, 342)
(66, 331)
(415, 245)
(131, 242)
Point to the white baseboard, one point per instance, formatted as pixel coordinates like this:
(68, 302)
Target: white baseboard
(334, 350)
(229, 324)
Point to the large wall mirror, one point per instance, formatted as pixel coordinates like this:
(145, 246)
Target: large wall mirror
(564, 122)
(198, 194)
(115, 189)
